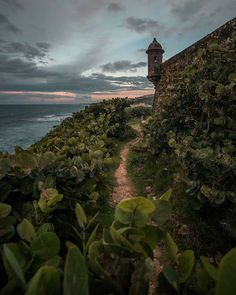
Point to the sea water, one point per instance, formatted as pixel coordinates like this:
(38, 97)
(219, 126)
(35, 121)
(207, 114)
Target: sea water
(24, 125)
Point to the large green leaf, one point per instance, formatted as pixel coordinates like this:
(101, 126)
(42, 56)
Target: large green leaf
(5, 209)
(226, 279)
(91, 238)
(45, 246)
(75, 273)
(134, 211)
(171, 276)
(209, 267)
(166, 196)
(26, 230)
(81, 216)
(153, 235)
(46, 281)
(171, 247)
(162, 212)
(12, 264)
(120, 239)
(203, 280)
(185, 264)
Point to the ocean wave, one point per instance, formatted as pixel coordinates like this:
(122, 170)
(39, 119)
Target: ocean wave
(52, 118)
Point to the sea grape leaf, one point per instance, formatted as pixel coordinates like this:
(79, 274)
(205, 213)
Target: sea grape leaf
(162, 212)
(12, 264)
(209, 267)
(21, 253)
(185, 264)
(46, 281)
(5, 209)
(80, 215)
(45, 245)
(95, 250)
(171, 276)
(91, 238)
(166, 196)
(153, 235)
(48, 198)
(203, 280)
(134, 234)
(226, 282)
(232, 77)
(94, 196)
(26, 230)
(134, 211)
(75, 272)
(119, 239)
(45, 227)
(171, 248)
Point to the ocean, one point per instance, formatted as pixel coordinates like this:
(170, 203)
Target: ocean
(24, 125)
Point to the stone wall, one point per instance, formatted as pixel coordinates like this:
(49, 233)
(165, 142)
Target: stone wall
(172, 66)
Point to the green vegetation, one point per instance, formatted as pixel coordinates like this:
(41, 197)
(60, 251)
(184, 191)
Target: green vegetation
(136, 112)
(149, 173)
(190, 145)
(58, 234)
(197, 124)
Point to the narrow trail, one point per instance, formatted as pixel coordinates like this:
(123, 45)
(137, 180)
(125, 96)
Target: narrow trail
(124, 187)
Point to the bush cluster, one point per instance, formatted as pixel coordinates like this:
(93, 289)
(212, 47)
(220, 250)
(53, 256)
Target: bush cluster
(197, 122)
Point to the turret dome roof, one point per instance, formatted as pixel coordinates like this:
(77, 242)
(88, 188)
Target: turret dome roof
(155, 46)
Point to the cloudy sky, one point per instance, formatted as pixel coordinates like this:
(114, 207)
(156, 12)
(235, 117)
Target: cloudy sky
(71, 51)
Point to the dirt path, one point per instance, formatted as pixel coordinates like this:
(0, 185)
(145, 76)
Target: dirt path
(124, 187)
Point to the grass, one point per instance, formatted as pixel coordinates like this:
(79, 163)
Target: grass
(148, 171)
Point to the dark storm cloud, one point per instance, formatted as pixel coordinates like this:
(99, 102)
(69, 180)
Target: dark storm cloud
(16, 66)
(115, 7)
(13, 4)
(21, 75)
(143, 25)
(6, 24)
(40, 51)
(122, 65)
(186, 9)
(43, 45)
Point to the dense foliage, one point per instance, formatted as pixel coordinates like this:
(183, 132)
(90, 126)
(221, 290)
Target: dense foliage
(71, 163)
(135, 112)
(50, 238)
(197, 123)
(196, 126)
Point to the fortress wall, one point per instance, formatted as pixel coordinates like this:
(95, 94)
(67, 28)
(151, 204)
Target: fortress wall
(178, 62)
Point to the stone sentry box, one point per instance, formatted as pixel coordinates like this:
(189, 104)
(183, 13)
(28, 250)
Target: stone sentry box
(154, 53)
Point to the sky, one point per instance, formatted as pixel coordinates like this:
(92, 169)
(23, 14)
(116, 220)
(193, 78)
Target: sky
(76, 51)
